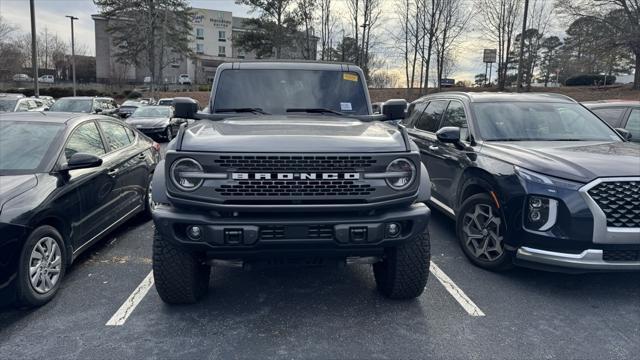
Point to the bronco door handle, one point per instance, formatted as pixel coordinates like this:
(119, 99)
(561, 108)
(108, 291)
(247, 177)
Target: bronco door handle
(433, 147)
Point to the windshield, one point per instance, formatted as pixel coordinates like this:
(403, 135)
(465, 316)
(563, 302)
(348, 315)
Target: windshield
(275, 91)
(25, 147)
(7, 105)
(151, 111)
(535, 121)
(72, 105)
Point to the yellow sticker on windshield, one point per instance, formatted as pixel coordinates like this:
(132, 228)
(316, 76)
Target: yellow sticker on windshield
(350, 76)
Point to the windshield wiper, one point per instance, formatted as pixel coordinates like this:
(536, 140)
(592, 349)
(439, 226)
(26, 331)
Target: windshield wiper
(317, 111)
(254, 110)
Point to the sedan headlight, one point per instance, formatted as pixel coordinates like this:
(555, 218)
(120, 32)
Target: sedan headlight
(184, 174)
(400, 174)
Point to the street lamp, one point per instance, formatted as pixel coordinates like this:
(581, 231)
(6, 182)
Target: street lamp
(73, 53)
(34, 53)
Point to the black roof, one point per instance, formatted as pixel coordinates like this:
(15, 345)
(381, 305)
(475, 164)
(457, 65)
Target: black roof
(502, 96)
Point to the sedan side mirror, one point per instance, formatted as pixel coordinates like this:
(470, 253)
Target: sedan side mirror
(82, 161)
(624, 133)
(97, 111)
(394, 109)
(449, 134)
(185, 108)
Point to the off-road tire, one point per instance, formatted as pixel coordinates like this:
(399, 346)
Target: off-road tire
(504, 261)
(180, 276)
(27, 297)
(404, 271)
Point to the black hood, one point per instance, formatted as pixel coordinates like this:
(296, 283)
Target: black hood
(314, 133)
(580, 161)
(148, 122)
(14, 185)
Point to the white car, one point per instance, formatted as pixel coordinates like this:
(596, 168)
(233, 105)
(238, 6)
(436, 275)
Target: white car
(48, 79)
(21, 77)
(184, 79)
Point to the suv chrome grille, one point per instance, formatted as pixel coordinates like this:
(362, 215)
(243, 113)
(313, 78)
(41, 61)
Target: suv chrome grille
(275, 163)
(620, 202)
(265, 188)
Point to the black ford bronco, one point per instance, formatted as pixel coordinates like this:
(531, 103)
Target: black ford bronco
(288, 165)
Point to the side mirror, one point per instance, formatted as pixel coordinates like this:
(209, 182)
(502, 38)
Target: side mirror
(185, 108)
(82, 161)
(394, 109)
(46, 108)
(449, 134)
(97, 111)
(624, 133)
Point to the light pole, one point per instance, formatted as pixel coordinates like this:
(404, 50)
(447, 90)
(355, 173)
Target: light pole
(34, 54)
(73, 54)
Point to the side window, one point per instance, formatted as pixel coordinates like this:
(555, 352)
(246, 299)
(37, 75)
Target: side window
(23, 105)
(455, 116)
(430, 118)
(610, 115)
(633, 125)
(132, 134)
(116, 135)
(415, 110)
(85, 139)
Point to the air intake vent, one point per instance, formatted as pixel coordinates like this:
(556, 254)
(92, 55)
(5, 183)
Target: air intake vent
(295, 188)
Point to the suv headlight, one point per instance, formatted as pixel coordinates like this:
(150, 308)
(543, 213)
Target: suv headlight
(182, 172)
(540, 213)
(402, 172)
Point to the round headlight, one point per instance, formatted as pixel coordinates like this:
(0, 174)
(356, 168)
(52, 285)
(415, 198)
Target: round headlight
(404, 173)
(180, 171)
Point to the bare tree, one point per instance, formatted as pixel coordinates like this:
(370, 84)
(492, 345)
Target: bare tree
(327, 28)
(6, 29)
(454, 21)
(306, 12)
(499, 20)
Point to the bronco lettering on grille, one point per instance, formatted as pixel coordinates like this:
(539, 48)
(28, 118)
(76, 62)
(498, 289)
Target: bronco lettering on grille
(295, 176)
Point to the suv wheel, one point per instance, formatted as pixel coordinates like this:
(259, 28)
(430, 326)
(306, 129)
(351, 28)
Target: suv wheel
(480, 228)
(180, 276)
(404, 271)
(41, 268)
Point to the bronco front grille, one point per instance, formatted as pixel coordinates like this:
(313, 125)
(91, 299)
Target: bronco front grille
(307, 163)
(252, 188)
(620, 202)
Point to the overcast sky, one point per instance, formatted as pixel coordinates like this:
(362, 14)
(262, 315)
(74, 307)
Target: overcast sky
(50, 14)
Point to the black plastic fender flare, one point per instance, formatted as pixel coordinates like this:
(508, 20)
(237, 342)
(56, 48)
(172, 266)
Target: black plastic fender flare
(158, 186)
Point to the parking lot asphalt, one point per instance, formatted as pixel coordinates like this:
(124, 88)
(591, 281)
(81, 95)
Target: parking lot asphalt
(328, 312)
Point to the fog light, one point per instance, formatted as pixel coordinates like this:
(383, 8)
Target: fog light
(535, 215)
(393, 229)
(194, 232)
(535, 202)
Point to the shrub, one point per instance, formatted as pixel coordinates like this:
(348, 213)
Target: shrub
(589, 80)
(134, 95)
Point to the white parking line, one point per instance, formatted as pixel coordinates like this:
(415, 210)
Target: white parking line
(457, 293)
(120, 317)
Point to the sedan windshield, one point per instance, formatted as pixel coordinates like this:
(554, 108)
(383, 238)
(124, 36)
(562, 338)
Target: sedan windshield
(536, 121)
(25, 147)
(72, 105)
(7, 105)
(274, 91)
(152, 111)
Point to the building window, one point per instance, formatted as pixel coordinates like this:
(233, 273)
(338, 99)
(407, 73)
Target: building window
(222, 35)
(200, 48)
(200, 33)
(222, 51)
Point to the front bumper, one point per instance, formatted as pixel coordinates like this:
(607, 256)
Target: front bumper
(587, 260)
(256, 235)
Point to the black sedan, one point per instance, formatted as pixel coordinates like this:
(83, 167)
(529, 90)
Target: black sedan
(155, 121)
(67, 180)
(531, 179)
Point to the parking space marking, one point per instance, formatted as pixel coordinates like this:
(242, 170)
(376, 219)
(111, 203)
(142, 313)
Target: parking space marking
(120, 317)
(457, 293)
